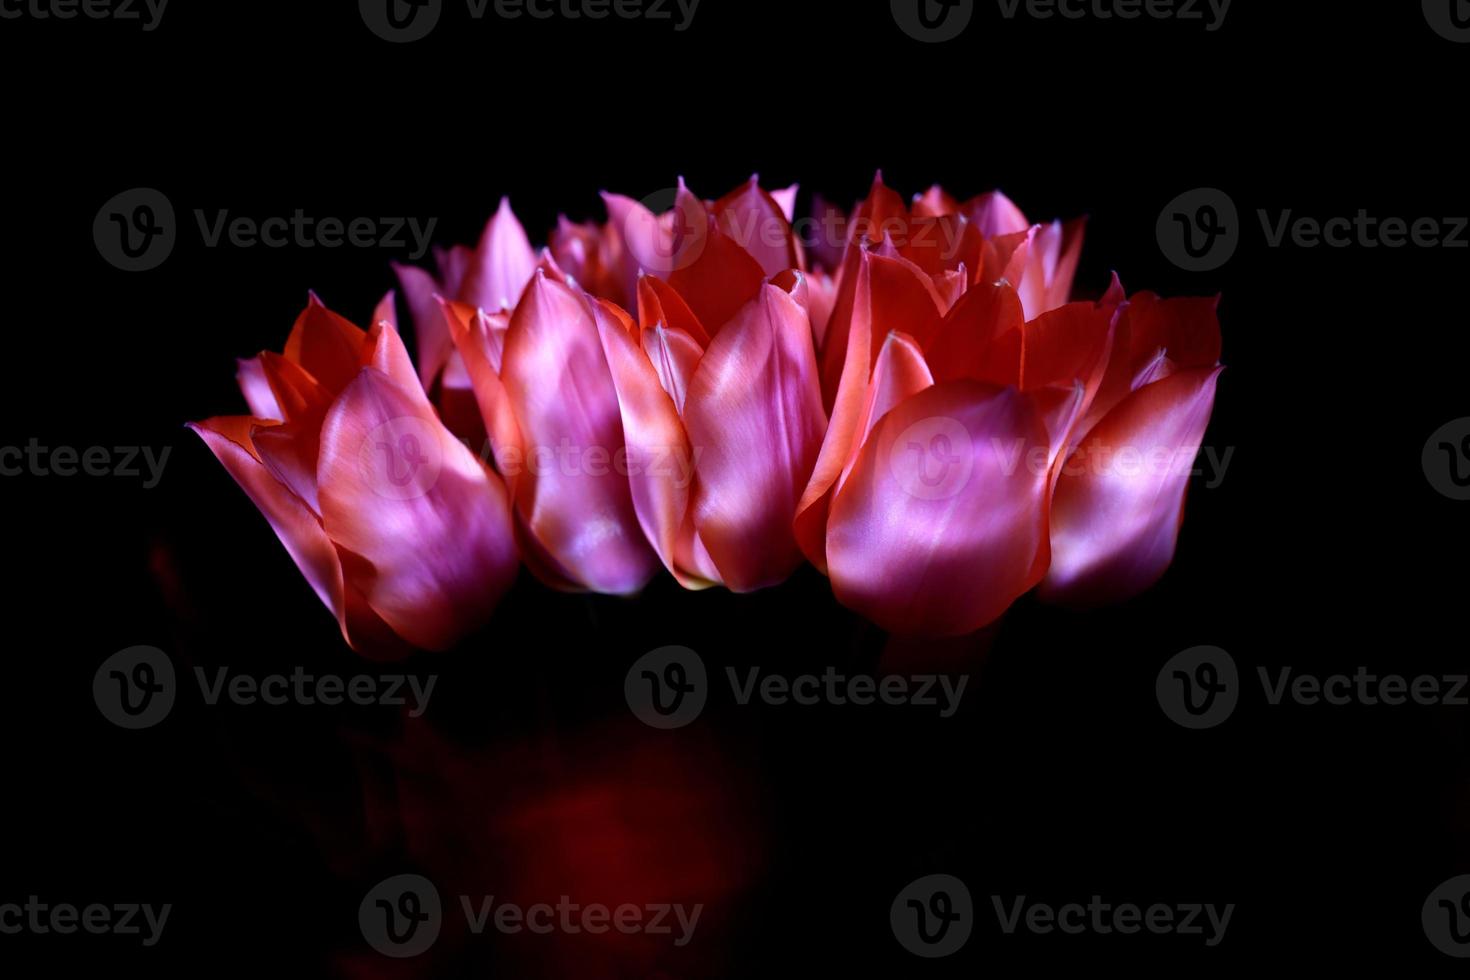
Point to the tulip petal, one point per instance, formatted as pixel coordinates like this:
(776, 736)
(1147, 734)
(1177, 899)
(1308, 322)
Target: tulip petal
(659, 460)
(942, 523)
(756, 222)
(754, 417)
(431, 333)
(1120, 499)
(503, 263)
(256, 389)
(299, 529)
(577, 506)
(713, 272)
(328, 346)
(429, 522)
(995, 214)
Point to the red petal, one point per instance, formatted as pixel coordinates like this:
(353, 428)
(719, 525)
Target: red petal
(757, 222)
(329, 347)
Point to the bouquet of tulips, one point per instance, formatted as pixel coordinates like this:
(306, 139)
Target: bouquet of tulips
(902, 395)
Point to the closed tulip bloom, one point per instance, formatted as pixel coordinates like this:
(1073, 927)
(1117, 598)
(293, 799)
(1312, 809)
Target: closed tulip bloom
(400, 530)
(1119, 499)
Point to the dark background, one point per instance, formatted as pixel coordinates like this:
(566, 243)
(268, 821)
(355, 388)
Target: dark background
(1060, 778)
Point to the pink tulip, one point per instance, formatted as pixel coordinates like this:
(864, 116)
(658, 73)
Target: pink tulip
(399, 529)
(1119, 499)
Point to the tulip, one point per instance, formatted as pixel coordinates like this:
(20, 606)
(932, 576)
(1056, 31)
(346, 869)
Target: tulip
(491, 276)
(1119, 499)
(400, 530)
(712, 432)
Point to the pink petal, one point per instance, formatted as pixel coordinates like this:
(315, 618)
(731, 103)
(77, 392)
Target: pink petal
(572, 498)
(756, 222)
(502, 265)
(996, 214)
(942, 523)
(754, 415)
(785, 198)
(431, 333)
(428, 524)
(256, 389)
(1051, 267)
(1120, 499)
(299, 530)
(659, 460)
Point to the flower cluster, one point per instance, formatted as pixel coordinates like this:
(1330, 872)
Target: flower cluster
(901, 395)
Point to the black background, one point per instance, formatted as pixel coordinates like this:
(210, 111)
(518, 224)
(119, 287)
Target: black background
(1325, 548)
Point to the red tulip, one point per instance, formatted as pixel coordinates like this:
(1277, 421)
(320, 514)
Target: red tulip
(401, 531)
